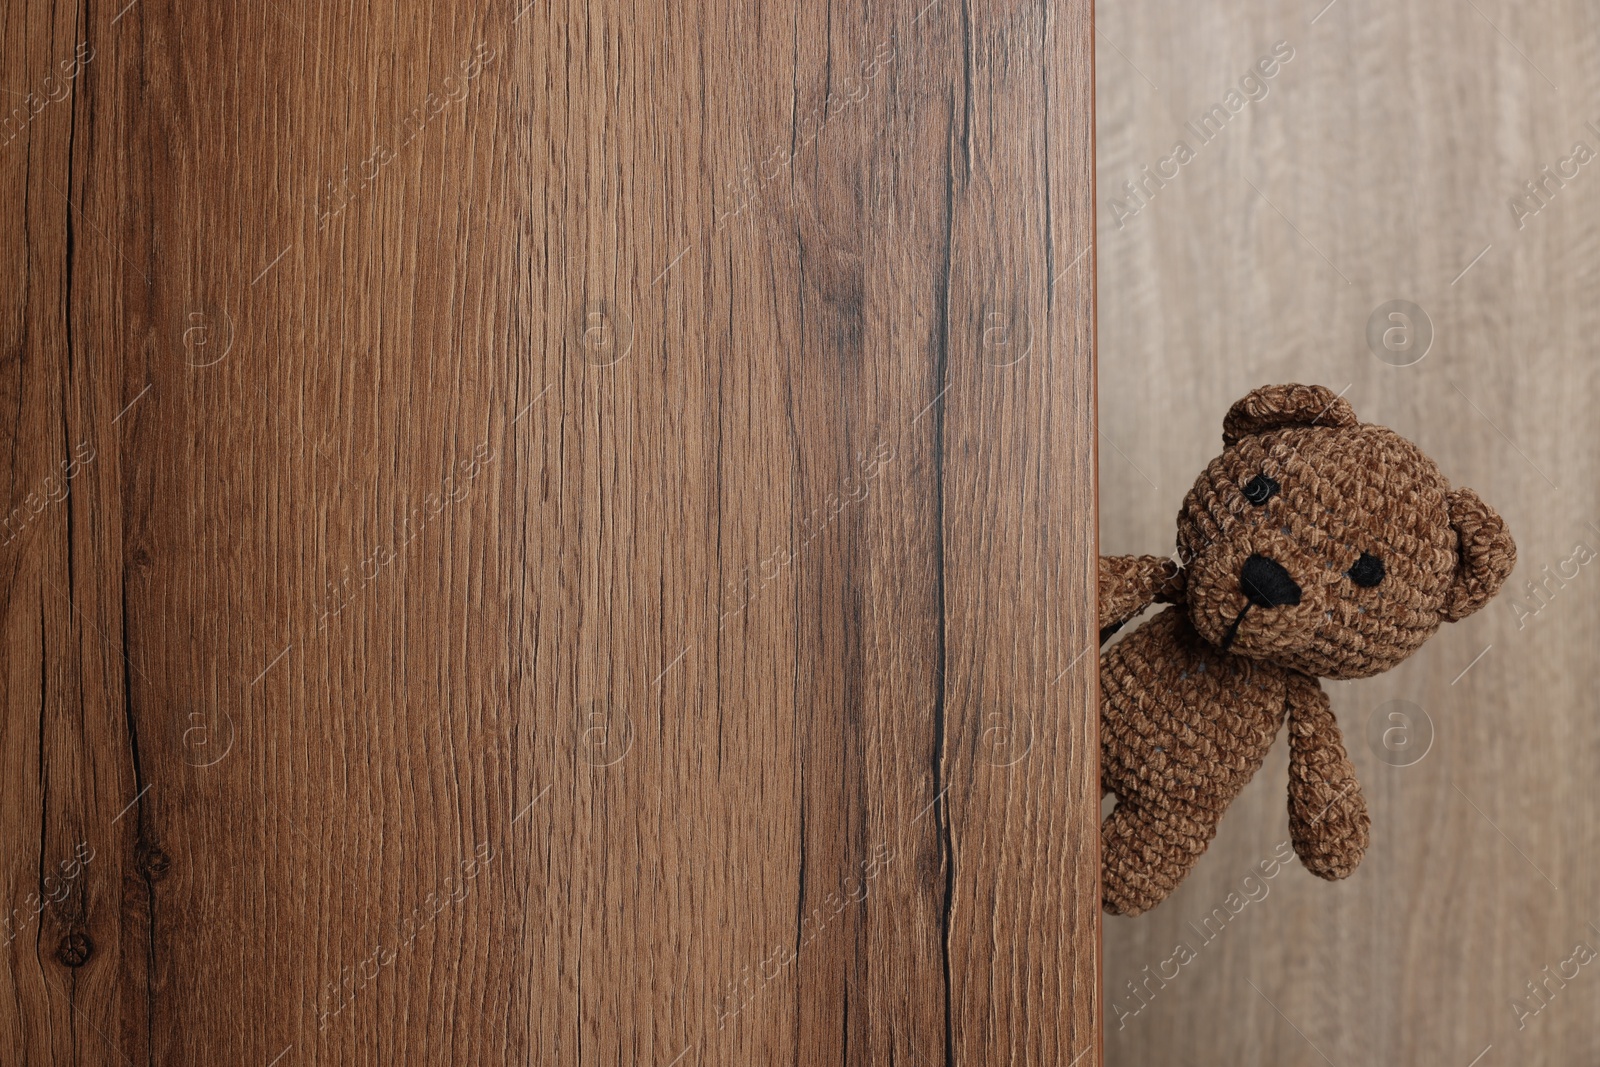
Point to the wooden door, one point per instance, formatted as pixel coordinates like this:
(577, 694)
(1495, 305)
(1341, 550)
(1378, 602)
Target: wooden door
(549, 534)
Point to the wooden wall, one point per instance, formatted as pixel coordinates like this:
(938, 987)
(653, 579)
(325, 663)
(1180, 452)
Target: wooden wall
(1383, 163)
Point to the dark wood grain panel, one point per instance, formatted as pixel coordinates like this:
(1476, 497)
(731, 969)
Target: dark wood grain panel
(579, 519)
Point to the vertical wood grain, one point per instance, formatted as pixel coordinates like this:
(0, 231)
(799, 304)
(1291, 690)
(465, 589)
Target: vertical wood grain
(579, 524)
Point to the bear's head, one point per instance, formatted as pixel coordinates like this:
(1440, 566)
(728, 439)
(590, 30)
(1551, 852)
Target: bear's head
(1329, 546)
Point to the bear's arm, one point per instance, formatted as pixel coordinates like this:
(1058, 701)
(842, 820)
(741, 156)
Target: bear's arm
(1129, 584)
(1328, 820)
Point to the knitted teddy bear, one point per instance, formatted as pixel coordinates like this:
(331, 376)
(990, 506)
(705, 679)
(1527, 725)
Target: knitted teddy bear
(1315, 546)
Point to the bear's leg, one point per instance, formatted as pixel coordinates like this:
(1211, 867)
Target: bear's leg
(1145, 854)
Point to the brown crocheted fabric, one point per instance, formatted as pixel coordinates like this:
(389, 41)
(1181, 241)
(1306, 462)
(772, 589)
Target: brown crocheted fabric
(1314, 546)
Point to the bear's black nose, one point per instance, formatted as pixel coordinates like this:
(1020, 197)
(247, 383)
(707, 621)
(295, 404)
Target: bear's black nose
(1267, 584)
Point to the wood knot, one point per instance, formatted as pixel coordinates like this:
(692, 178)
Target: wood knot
(75, 949)
(153, 862)
(140, 559)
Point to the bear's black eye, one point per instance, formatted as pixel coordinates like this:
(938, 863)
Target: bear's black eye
(1368, 570)
(1260, 489)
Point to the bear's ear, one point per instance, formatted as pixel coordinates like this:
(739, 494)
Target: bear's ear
(1485, 554)
(1272, 406)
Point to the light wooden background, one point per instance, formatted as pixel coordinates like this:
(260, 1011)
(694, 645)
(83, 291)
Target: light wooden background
(478, 593)
(1379, 166)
